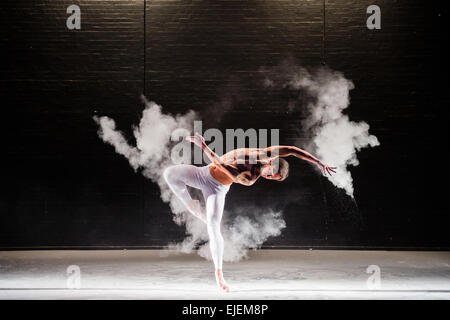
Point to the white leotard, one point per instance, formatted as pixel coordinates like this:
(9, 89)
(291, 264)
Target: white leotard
(214, 192)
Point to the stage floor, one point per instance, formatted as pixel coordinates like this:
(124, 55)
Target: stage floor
(266, 274)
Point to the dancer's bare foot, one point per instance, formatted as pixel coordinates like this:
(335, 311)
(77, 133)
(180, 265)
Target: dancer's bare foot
(221, 281)
(195, 208)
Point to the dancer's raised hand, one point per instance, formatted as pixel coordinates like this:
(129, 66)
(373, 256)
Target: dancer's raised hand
(197, 139)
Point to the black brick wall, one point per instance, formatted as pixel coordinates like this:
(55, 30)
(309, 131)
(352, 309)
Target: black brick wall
(61, 186)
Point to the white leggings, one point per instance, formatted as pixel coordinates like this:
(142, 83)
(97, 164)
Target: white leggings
(180, 176)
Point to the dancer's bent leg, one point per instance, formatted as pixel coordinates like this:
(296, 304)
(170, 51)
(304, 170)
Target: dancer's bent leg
(180, 176)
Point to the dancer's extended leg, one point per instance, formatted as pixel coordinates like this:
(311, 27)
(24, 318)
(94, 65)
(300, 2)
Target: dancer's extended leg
(214, 210)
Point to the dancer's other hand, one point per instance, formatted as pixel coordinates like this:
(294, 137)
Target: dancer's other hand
(326, 169)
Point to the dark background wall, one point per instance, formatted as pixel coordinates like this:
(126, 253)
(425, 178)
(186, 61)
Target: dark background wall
(62, 186)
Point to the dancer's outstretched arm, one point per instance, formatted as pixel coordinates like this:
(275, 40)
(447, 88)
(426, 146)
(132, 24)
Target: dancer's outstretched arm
(286, 151)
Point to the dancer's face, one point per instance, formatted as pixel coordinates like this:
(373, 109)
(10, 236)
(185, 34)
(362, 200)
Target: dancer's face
(269, 171)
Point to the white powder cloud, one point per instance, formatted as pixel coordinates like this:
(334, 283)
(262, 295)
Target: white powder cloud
(152, 154)
(323, 96)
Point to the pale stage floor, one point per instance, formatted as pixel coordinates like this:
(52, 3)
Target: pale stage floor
(266, 274)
